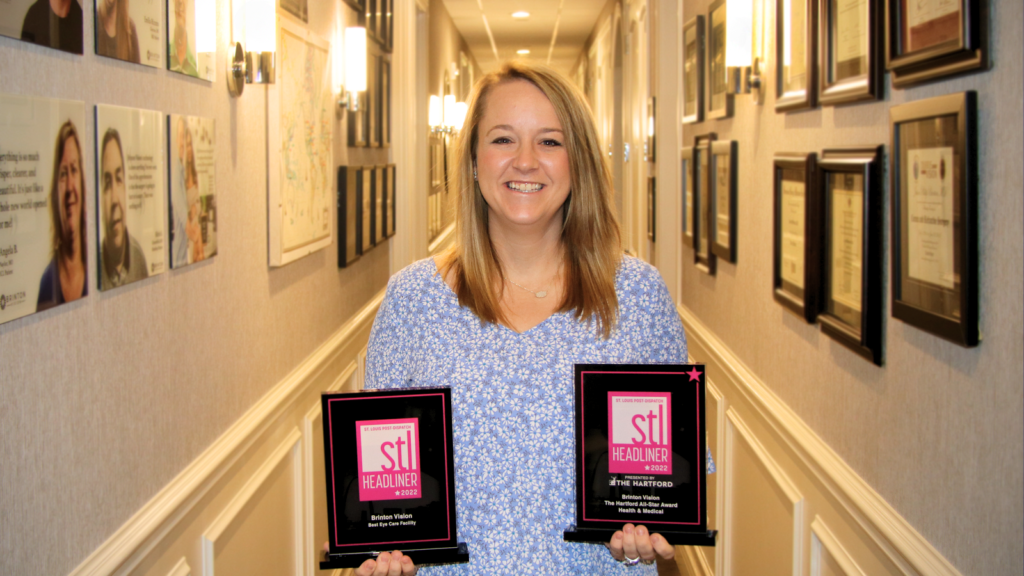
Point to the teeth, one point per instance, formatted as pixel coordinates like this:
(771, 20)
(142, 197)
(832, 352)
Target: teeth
(523, 187)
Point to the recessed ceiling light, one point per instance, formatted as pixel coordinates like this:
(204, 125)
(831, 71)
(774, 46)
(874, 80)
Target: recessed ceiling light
(522, 51)
(521, 15)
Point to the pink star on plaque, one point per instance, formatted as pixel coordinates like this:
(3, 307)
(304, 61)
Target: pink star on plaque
(694, 374)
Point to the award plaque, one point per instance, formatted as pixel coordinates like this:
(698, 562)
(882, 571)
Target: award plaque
(390, 473)
(641, 452)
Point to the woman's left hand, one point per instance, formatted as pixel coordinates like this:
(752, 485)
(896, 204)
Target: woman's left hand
(635, 542)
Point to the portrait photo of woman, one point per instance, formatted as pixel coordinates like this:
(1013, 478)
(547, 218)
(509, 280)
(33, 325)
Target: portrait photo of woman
(116, 36)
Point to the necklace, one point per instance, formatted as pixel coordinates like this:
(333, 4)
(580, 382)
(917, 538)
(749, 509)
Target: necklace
(537, 293)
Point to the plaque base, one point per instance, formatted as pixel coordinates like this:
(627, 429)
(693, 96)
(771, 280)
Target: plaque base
(458, 555)
(603, 535)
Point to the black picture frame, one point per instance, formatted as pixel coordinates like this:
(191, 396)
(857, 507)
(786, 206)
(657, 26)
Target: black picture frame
(384, 101)
(789, 98)
(693, 70)
(391, 173)
(689, 173)
(856, 78)
(935, 269)
(365, 242)
(800, 170)
(852, 310)
(348, 223)
(724, 229)
(372, 20)
(378, 205)
(360, 7)
(719, 100)
(951, 44)
(703, 207)
(373, 99)
(652, 208)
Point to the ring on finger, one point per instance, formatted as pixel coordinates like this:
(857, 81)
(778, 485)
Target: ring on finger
(627, 561)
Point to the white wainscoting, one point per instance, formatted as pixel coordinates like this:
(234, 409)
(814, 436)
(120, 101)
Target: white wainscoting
(782, 500)
(254, 501)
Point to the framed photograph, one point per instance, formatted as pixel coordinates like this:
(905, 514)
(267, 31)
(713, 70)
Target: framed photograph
(930, 39)
(796, 273)
(796, 26)
(723, 173)
(693, 70)
(301, 190)
(387, 25)
(372, 19)
(193, 188)
(935, 216)
(360, 7)
(851, 308)
(36, 22)
(719, 98)
(296, 8)
(652, 209)
(703, 207)
(384, 101)
(689, 185)
(850, 45)
(365, 202)
(652, 119)
(390, 173)
(373, 99)
(379, 204)
(132, 32)
(348, 211)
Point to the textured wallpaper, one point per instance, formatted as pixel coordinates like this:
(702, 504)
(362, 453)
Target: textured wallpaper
(936, 431)
(104, 400)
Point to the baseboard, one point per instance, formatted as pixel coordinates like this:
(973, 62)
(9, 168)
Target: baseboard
(892, 542)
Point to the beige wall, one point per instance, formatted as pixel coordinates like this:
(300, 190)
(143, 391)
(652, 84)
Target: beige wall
(938, 430)
(104, 401)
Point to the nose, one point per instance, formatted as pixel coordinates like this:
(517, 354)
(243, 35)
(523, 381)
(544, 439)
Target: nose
(526, 158)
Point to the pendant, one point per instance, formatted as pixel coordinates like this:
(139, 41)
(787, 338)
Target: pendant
(540, 294)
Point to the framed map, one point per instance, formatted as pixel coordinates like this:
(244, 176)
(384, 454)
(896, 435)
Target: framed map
(300, 118)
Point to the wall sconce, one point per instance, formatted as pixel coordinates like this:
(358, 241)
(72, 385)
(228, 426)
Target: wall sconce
(435, 114)
(743, 70)
(446, 116)
(254, 28)
(353, 81)
(649, 141)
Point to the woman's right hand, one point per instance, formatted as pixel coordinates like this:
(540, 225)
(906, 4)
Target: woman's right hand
(388, 564)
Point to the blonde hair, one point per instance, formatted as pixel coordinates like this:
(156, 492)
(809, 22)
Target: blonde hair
(590, 232)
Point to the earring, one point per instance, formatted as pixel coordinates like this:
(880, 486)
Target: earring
(474, 173)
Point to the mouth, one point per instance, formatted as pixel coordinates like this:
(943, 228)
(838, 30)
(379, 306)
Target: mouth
(526, 187)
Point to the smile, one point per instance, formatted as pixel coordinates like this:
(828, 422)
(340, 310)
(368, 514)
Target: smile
(524, 186)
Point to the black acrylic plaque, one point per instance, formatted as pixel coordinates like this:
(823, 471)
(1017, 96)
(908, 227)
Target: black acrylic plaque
(390, 472)
(640, 452)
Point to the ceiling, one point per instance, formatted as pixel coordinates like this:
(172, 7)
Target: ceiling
(569, 22)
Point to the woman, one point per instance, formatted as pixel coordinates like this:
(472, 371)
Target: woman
(115, 31)
(535, 283)
(64, 279)
(193, 231)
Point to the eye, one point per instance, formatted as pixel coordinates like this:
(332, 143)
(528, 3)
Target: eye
(550, 142)
(502, 140)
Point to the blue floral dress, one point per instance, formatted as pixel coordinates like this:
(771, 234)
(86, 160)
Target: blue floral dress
(512, 404)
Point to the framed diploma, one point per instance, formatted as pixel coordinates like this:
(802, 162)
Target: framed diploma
(851, 309)
(719, 98)
(652, 206)
(378, 204)
(365, 202)
(689, 185)
(797, 234)
(723, 173)
(390, 174)
(640, 452)
(349, 180)
(390, 471)
(850, 53)
(935, 216)
(795, 54)
(703, 208)
(930, 39)
(693, 70)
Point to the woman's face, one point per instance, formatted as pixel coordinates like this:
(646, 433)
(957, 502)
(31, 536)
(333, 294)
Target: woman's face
(521, 160)
(69, 190)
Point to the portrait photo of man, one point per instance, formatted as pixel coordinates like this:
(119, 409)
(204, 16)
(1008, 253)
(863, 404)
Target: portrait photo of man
(53, 23)
(123, 261)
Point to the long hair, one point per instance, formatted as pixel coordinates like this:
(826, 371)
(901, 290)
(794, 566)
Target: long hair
(590, 232)
(67, 133)
(124, 31)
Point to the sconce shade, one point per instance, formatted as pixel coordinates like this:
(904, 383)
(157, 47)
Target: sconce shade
(355, 59)
(434, 114)
(260, 26)
(739, 36)
(461, 108)
(449, 111)
(206, 27)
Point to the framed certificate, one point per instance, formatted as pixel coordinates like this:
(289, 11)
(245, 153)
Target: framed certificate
(652, 209)
(703, 207)
(384, 101)
(365, 202)
(390, 175)
(373, 100)
(796, 269)
(795, 54)
(390, 470)
(689, 185)
(349, 180)
(850, 51)
(378, 204)
(719, 98)
(640, 452)
(851, 309)
(935, 216)
(930, 39)
(723, 174)
(693, 70)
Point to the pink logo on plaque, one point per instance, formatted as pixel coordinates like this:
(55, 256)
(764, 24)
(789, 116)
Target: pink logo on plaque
(389, 459)
(639, 428)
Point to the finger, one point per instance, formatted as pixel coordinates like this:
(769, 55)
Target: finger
(662, 547)
(327, 546)
(643, 543)
(383, 564)
(629, 541)
(408, 566)
(366, 568)
(615, 545)
(395, 568)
